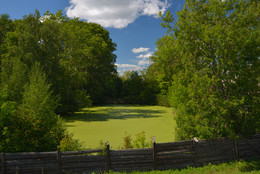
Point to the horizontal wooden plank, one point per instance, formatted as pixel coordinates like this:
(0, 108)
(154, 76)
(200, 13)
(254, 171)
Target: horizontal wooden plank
(183, 149)
(241, 147)
(29, 170)
(215, 158)
(182, 145)
(230, 153)
(37, 155)
(71, 163)
(176, 155)
(83, 158)
(247, 151)
(130, 158)
(212, 144)
(81, 152)
(177, 143)
(216, 146)
(159, 148)
(24, 164)
(83, 166)
(214, 152)
(244, 144)
(35, 166)
(131, 152)
(32, 166)
(29, 154)
(134, 163)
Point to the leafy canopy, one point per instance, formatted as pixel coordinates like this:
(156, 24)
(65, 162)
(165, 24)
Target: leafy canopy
(210, 62)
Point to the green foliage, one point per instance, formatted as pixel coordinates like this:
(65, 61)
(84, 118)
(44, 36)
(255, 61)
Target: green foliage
(76, 56)
(7, 116)
(138, 142)
(102, 145)
(208, 65)
(69, 144)
(37, 122)
(127, 142)
(162, 100)
(49, 65)
(138, 89)
(88, 56)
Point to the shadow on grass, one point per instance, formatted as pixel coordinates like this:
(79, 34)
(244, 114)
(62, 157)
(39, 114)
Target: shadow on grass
(121, 112)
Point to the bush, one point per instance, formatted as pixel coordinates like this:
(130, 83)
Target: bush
(70, 144)
(138, 142)
(127, 144)
(162, 100)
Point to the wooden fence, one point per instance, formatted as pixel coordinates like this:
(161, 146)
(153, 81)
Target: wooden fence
(161, 157)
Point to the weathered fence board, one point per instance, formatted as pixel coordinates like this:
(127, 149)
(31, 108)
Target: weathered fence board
(162, 156)
(81, 152)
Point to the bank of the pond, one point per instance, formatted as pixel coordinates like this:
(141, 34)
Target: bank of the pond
(109, 123)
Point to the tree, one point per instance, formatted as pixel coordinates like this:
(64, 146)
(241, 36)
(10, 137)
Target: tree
(8, 111)
(6, 25)
(138, 89)
(49, 65)
(37, 121)
(215, 58)
(76, 56)
(88, 57)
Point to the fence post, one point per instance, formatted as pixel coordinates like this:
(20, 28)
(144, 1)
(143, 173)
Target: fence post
(154, 153)
(108, 157)
(235, 150)
(3, 163)
(58, 161)
(195, 141)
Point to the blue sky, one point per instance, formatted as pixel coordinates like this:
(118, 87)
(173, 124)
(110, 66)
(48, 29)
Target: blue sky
(133, 24)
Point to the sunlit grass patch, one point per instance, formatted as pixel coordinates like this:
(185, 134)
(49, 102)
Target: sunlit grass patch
(109, 123)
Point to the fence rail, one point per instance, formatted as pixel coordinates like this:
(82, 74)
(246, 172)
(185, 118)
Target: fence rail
(162, 156)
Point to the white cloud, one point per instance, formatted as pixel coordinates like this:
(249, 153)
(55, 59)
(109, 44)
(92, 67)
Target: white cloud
(129, 66)
(140, 50)
(145, 56)
(144, 62)
(152, 7)
(115, 13)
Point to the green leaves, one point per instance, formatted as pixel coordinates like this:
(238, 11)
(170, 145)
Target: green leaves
(49, 64)
(213, 61)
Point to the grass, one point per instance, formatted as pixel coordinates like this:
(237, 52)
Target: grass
(109, 123)
(241, 167)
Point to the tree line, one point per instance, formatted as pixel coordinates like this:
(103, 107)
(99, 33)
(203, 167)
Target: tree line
(50, 65)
